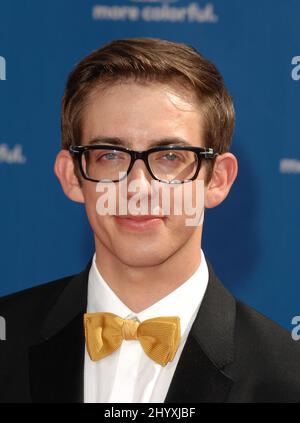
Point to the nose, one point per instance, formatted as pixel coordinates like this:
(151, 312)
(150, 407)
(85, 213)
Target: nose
(139, 172)
(139, 181)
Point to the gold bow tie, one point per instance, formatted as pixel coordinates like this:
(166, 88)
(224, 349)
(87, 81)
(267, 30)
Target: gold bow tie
(159, 337)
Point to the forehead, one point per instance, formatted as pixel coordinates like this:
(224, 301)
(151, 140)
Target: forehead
(139, 113)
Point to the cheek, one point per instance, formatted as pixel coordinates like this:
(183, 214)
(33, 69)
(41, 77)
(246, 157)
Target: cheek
(91, 198)
(187, 199)
(99, 199)
(178, 233)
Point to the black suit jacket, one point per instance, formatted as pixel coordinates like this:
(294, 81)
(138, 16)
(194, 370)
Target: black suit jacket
(232, 353)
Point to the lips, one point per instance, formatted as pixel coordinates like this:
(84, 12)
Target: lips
(139, 222)
(139, 218)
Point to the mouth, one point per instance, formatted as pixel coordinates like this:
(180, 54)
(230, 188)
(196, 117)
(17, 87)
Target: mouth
(139, 222)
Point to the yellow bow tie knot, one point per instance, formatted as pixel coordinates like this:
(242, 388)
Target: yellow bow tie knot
(159, 337)
(129, 329)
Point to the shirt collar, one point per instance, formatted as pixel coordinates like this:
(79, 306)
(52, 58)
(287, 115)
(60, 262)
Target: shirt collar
(183, 302)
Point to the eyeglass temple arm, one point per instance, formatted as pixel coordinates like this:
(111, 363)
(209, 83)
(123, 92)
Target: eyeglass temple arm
(210, 153)
(73, 150)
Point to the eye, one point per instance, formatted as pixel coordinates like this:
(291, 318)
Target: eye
(109, 156)
(171, 156)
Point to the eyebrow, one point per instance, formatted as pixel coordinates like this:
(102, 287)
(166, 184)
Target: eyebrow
(124, 143)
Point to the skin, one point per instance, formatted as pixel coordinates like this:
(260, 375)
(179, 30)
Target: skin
(143, 266)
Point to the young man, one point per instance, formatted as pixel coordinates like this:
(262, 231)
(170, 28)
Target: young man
(147, 320)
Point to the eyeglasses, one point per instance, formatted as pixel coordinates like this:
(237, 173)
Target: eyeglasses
(170, 164)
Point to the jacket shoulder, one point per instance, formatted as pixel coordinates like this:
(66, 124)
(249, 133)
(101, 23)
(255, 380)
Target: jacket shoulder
(251, 325)
(24, 310)
(37, 292)
(267, 356)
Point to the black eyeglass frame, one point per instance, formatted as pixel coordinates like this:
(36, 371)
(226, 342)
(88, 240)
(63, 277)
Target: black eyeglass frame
(202, 153)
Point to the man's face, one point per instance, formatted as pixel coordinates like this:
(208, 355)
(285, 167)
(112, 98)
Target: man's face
(140, 116)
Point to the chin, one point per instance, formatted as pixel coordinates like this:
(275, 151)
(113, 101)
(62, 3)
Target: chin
(140, 259)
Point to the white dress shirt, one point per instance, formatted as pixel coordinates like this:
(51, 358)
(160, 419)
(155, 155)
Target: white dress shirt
(128, 374)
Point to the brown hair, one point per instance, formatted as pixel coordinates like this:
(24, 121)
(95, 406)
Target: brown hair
(150, 60)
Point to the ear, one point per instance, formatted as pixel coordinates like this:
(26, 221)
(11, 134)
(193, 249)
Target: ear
(224, 173)
(64, 170)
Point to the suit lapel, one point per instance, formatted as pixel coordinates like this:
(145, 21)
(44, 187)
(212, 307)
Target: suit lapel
(197, 379)
(200, 375)
(56, 364)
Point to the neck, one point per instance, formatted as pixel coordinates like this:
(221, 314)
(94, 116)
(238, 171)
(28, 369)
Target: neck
(140, 287)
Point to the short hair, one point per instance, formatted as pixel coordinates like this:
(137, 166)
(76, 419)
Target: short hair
(150, 60)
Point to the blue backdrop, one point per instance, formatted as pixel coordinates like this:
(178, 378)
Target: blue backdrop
(252, 239)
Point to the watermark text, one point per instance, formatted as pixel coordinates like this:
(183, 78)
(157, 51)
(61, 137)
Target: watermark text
(2, 69)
